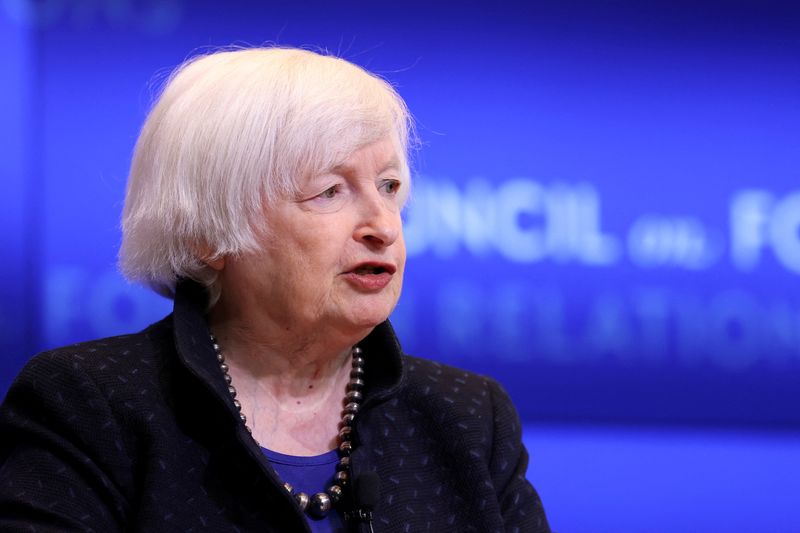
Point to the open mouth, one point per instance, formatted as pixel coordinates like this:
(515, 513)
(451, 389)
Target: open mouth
(368, 270)
(373, 269)
(370, 277)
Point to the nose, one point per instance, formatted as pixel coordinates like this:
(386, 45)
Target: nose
(379, 223)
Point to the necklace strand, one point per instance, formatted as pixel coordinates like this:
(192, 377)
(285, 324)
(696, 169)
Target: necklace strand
(320, 504)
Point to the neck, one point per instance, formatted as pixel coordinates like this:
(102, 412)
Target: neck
(270, 352)
(290, 384)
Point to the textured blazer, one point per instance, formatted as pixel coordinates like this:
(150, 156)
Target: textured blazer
(139, 433)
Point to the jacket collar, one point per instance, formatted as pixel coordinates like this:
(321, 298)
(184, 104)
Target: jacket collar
(384, 369)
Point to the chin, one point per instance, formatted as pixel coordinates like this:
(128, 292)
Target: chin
(362, 312)
(370, 316)
(369, 321)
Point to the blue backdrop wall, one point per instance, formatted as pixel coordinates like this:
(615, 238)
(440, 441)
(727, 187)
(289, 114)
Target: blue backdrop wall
(605, 216)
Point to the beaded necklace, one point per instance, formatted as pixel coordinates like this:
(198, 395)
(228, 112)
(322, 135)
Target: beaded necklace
(320, 504)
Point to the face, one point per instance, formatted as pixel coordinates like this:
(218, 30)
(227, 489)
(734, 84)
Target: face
(333, 256)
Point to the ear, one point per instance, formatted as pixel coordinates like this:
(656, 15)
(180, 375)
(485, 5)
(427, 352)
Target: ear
(216, 263)
(208, 257)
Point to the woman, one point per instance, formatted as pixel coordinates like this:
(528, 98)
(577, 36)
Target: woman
(264, 197)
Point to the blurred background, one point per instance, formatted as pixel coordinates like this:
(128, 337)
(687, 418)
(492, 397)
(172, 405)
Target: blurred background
(605, 218)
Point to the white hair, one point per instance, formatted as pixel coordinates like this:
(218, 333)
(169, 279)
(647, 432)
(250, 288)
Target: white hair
(231, 133)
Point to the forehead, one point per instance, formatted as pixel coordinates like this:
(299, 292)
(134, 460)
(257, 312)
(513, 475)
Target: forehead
(374, 158)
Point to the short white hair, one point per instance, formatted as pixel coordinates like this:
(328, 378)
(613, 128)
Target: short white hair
(231, 133)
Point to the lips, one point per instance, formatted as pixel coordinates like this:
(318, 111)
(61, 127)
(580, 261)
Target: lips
(367, 269)
(370, 276)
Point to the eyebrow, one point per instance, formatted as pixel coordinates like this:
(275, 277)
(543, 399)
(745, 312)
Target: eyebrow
(393, 163)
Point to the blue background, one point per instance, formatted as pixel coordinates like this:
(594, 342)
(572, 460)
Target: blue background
(605, 217)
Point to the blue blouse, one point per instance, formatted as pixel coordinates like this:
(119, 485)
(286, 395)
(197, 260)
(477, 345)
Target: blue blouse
(310, 475)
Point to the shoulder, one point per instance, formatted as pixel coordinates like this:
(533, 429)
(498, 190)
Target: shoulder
(458, 402)
(466, 431)
(77, 387)
(476, 394)
(72, 393)
(70, 417)
(107, 360)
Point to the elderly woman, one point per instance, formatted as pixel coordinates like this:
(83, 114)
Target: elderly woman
(264, 197)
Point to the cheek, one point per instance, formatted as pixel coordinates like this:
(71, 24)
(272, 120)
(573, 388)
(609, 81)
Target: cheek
(400, 244)
(316, 259)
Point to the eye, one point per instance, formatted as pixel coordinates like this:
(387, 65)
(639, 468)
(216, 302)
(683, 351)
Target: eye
(390, 186)
(329, 193)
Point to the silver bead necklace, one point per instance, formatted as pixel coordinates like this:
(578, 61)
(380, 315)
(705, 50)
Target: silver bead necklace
(320, 504)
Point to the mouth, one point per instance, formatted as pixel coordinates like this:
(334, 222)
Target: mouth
(370, 277)
(373, 269)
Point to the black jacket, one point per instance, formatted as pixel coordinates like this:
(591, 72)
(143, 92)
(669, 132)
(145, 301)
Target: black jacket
(139, 433)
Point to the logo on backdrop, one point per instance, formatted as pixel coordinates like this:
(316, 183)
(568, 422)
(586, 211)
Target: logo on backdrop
(525, 222)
